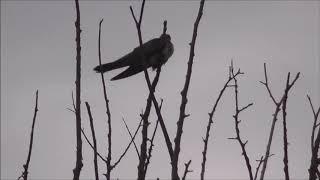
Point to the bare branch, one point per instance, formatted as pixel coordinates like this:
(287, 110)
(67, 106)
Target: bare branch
(108, 163)
(285, 139)
(164, 27)
(151, 90)
(95, 162)
(258, 167)
(314, 122)
(127, 148)
(26, 165)
(88, 141)
(134, 17)
(245, 107)
(237, 121)
(143, 160)
(186, 170)
(313, 170)
(184, 92)
(277, 110)
(206, 140)
(266, 83)
(131, 137)
(151, 143)
(79, 164)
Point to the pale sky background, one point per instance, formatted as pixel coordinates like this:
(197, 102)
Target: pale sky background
(38, 52)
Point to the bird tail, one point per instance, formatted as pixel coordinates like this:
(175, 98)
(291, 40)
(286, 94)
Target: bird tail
(122, 62)
(104, 67)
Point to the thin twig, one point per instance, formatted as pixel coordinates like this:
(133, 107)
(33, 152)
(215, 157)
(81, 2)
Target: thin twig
(131, 137)
(95, 162)
(313, 170)
(109, 166)
(315, 115)
(184, 92)
(151, 143)
(79, 164)
(258, 167)
(92, 147)
(236, 121)
(26, 165)
(206, 139)
(128, 146)
(85, 136)
(275, 114)
(186, 170)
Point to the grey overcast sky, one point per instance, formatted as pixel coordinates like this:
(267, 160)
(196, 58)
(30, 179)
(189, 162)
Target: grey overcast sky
(38, 52)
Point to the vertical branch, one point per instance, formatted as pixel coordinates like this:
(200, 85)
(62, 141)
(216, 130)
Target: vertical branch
(95, 162)
(274, 119)
(109, 166)
(77, 169)
(285, 139)
(237, 122)
(206, 139)
(184, 100)
(258, 167)
(267, 154)
(313, 170)
(26, 166)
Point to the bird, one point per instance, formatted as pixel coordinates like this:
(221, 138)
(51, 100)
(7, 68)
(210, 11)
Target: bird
(153, 53)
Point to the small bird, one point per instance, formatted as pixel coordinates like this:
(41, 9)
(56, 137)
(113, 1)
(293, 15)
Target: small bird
(153, 53)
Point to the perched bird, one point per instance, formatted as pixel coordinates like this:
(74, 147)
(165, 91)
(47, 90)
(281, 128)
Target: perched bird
(153, 53)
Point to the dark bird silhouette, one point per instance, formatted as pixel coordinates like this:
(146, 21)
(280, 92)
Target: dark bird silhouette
(153, 53)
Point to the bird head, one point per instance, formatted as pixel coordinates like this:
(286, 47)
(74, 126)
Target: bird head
(165, 37)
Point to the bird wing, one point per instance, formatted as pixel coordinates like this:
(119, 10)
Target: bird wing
(152, 47)
(131, 70)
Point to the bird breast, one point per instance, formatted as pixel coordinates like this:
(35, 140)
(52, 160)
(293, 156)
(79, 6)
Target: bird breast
(167, 51)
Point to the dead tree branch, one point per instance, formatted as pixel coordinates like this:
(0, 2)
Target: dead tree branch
(26, 165)
(186, 170)
(128, 146)
(258, 167)
(79, 164)
(92, 147)
(313, 170)
(237, 122)
(143, 158)
(151, 143)
(95, 162)
(275, 115)
(141, 173)
(184, 100)
(285, 139)
(108, 163)
(131, 137)
(206, 139)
